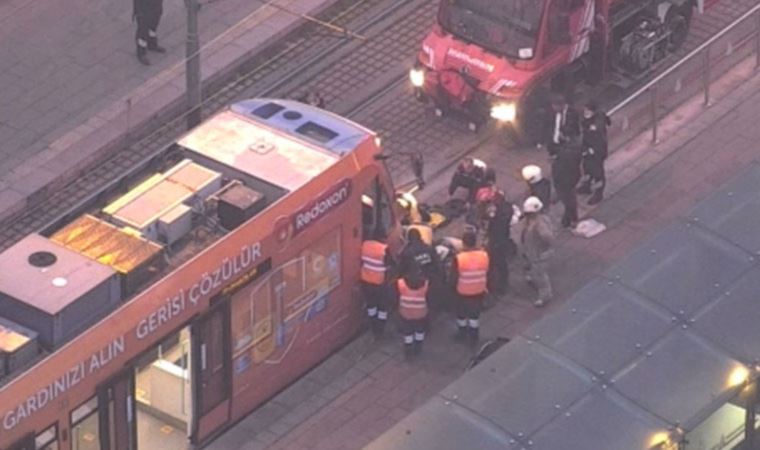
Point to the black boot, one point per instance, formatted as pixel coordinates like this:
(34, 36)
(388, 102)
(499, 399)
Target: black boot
(596, 198)
(142, 56)
(153, 45)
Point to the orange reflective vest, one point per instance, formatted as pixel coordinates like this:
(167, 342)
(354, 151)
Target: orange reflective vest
(412, 303)
(472, 266)
(373, 262)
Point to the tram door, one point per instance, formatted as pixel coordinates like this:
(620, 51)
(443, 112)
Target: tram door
(212, 369)
(118, 423)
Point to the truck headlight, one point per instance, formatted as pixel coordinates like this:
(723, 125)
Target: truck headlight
(417, 77)
(504, 112)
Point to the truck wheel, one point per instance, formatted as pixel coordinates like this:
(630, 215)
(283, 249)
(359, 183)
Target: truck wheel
(677, 22)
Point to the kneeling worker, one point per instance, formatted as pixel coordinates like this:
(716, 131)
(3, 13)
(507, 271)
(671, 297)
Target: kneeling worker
(469, 275)
(413, 310)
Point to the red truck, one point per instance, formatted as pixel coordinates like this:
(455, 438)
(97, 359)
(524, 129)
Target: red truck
(498, 59)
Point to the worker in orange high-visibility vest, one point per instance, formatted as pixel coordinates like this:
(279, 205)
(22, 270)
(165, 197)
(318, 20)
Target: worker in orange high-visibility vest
(376, 262)
(469, 276)
(412, 292)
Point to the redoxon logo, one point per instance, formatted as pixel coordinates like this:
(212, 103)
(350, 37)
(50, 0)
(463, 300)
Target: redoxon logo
(462, 56)
(320, 207)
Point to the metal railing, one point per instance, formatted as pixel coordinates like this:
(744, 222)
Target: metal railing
(693, 73)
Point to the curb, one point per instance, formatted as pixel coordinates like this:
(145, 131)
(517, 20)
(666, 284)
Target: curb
(161, 99)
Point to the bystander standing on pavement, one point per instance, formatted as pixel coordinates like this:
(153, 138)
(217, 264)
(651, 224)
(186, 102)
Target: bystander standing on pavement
(594, 152)
(376, 264)
(538, 186)
(563, 127)
(566, 173)
(147, 13)
(469, 276)
(412, 291)
(537, 246)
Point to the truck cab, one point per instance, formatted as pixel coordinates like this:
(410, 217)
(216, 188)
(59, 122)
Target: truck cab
(496, 59)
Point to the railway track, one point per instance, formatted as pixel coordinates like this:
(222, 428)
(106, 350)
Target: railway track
(364, 79)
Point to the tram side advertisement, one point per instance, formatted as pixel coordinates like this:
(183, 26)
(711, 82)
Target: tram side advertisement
(183, 301)
(293, 317)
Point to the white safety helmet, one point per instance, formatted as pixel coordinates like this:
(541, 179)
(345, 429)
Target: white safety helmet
(532, 205)
(531, 173)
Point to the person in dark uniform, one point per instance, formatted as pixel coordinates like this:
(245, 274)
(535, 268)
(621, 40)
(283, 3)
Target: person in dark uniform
(148, 15)
(501, 215)
(419, 256)
(566, 172)
(594, 152)
(470, 175)
(563, 128)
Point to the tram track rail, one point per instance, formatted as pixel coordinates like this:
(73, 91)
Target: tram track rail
(332, 66)
(284, 73)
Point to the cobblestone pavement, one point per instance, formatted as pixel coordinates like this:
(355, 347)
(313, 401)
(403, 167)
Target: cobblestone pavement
(366, 387)
(61, 61)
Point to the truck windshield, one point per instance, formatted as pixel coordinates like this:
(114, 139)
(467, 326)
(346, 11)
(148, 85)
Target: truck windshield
(505, 27)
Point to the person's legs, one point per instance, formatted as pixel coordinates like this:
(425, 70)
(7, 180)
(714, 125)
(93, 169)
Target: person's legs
(540, 276)
(141, 39)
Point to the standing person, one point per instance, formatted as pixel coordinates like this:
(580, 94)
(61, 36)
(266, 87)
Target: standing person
(412, 292)
(501, 216)
(537, 239)
(376, 263)
(594, 152)
(538, 186)
(564, 128)
(469, 175)
(418, 256)
(566, 172)
(148, 15)
(469, 272)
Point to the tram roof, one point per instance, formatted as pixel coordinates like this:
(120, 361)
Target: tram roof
(297, 143)
(649, 345)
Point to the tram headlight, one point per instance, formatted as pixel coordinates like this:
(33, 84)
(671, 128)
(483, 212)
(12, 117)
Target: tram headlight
(417, 77)
(504, 112)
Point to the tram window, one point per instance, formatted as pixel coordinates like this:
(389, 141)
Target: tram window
(47, 440)
(268, 110)
(376, 210)
(85, 432)
(317, 132)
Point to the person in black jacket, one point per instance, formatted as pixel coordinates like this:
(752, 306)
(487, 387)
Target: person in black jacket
(501, 214)
(148, 15)
(419, 256)
(566, 172)
(594, 152)
(470, 175)
(563, 127)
